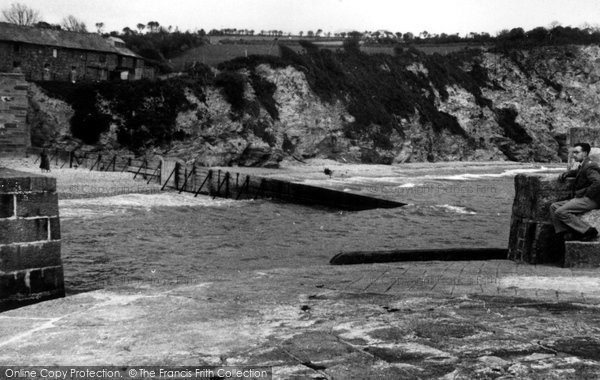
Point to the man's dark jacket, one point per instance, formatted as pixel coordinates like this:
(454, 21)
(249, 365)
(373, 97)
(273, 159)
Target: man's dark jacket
(587, 180)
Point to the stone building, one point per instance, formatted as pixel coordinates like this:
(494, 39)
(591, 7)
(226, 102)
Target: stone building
(48, 54)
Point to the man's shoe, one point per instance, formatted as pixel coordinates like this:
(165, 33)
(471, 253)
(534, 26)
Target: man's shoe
(589, 235)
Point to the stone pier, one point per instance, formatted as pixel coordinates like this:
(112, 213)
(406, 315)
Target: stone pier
(532, 238)
(30, 264)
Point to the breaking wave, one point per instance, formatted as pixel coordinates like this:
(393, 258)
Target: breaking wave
(119, 204)
(456, 209)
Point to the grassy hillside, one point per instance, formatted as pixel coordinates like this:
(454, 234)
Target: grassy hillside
(213, 55)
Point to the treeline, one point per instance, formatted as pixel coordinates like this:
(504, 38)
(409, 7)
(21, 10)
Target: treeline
(540, 36)
(516, 37)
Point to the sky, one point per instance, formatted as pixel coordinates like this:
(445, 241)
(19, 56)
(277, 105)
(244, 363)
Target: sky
(433, 16)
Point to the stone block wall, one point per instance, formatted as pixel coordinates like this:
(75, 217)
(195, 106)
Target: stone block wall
(532, 238)
(30, 264)
(14, 132)
(581, 254)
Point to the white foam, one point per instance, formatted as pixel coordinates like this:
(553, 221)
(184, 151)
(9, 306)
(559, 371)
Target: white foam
(403, 179)
(506, 173)
(457, 209)
(352, 180)
(118, 204)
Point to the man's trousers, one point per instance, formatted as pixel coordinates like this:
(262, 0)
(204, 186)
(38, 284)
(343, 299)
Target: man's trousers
(566, 214)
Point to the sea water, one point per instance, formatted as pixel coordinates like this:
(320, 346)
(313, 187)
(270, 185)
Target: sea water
(171, 238)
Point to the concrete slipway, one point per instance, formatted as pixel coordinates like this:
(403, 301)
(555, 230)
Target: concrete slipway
(477, 319)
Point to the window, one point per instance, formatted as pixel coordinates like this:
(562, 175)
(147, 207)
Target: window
(54, 53)
(102, 58)
(17, 48)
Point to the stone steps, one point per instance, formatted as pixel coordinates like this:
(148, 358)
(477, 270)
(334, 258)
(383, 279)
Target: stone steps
(579, 254)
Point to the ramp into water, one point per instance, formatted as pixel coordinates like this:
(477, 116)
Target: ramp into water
(229, 184)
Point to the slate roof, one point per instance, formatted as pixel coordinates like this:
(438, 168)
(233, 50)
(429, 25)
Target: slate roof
(60, 38)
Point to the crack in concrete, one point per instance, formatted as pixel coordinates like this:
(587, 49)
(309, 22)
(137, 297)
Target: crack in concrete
(48, 324)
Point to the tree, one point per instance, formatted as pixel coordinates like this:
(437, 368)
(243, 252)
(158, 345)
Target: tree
(141, 27)
(99, 27)
(128, 31)
(554, 24)
(153, 26)
(73, 24)
(538, 35)
(21, 15)
(45, 25)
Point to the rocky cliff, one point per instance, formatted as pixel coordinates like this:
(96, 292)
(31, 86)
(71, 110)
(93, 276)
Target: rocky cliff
(480, 105)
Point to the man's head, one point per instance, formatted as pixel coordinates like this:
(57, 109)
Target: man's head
(581, 151)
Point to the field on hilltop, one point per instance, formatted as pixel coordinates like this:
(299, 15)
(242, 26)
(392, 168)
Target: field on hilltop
(214, 54)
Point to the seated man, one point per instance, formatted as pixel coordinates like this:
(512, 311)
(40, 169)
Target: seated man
(566, 214)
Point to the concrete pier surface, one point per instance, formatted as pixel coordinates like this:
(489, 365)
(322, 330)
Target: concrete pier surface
(450, 320)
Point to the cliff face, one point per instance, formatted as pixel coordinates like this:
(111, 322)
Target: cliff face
(492, 106)
(548, 91)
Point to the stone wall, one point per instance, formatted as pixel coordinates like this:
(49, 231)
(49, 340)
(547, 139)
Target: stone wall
(532, 238)
(30, 265)
(14, 132)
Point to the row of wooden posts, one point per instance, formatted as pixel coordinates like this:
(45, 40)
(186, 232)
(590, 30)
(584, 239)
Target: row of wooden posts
(172, 174)
(215, 182)
(152, 170)
(75, 159)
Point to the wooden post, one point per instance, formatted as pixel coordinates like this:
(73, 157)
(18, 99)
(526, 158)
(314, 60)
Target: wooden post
(208, 176)
(168, 178)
